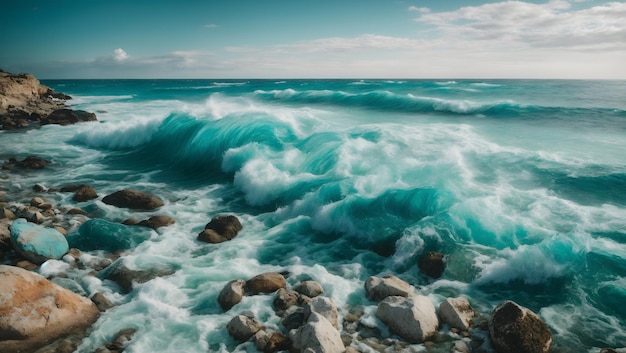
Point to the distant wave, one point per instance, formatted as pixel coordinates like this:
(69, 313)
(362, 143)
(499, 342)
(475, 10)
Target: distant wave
(226, 84)
(484, 84)
(389, 101)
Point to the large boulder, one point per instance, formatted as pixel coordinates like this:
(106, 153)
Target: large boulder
(516, 329)
(457, 312)
(309, 288)
(220, 229)
(266, 283)
(231, 294)
(377, 288)
(242, 327)
(317, 335)
(325, 307)
(35, 311)
(99, 234)
(37, 243)
(68, 117)
(133, 199)
(414, 318)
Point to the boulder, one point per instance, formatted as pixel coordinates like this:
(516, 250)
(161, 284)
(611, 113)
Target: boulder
(309, 288)
(231, 294)
(317, 335)
(77, 211)
(266, 283)
(325, 307)
(35, 311)
(414, 318)
(125, 277)
(99, 234)
(271, 342)
(284, 299)
(516, 329)
(220, 229)
(66, 116)
(377, 288)
(5, 213)
(84, 193)
(121, 340)
(102, 303)
(155, 222)
(37, 243)
(294, 319)
(457, 312)
(432, 264)
(242, 327)
(30, 162)
(36, 201)
(133, 199)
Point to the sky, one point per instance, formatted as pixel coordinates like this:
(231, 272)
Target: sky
(63, 39)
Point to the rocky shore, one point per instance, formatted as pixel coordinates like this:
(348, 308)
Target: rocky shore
(41, 242)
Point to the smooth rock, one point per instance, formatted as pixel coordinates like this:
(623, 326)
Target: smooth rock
(37, 243)
(325, 307)
(231, 294)
(5, 213)
(133, 199)
(99, 234)
(414, 318)
(377, 288)
(457, 312)
(84, 193)
(317, 335)
(266, 283)
(119, 273)
(242, 327)
(155, 222)
(516, 329)
(35, 311)
(309, 288)
(220, 229)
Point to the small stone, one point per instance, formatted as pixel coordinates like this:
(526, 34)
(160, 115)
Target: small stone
(77, 211)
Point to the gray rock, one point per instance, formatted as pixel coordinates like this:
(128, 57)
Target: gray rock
(414, 318)
(242, 327)
(317, 335)
(323, 306)
(309, 288)
(231, 294)
(457, 312)
(378, 289)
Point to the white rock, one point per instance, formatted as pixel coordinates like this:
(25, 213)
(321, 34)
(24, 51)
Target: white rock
(414, 318)
(325, 307)
(318, 336)
(377, 288)
(457, 312)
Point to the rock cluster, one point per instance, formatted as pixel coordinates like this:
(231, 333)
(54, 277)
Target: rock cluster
(25, 102)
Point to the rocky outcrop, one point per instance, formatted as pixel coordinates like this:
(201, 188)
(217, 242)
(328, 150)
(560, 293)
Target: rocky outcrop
(35, 311)
(516, 329)
(25, 102)
(220, 229)
(377, 288)
(457, 312)
(30, 162)
(37, 243)
(133, 199)
(266, 283)
(414, 319)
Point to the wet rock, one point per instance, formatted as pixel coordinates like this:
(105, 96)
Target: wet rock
(220, 229)
(414, 318)
(325, 307)
(155, 222)
(457, 312)
(378, 289)
(36, 201)
(266, 283)
(231, 294)
(432, 264)
(77, 211)
(125, 277)
(133, 199)
(99, 234)
(271, 342)
(121, 340)
(5, 213)
(102, 303)
(309, 288)
(284, 299)
(242, 327)
(36, 243)
(84, 193)
(317, 335)
(294, 319)
(68, 117)
(35, 311)
(31, 162)
(516, 329)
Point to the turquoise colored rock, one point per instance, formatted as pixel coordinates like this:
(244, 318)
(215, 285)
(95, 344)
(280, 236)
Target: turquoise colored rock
(98, 234)
(37, 243)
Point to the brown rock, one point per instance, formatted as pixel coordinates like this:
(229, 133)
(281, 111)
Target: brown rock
(84, 193)
(231, 294)
(78, 211)
(220, 229)
(284, 299)
(211, 237)
(155, 222)
(36, 311)
(271, 342)
(66, 116)
(6, 213)
(102, 303)
(242, 327)
(266, 283)
(36, 201)
(31, 162)
(309, 288)
(516, 329)
(432, 264)
(133, 199)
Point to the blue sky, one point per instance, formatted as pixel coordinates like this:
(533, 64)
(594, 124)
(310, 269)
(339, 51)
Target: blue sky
(314, 39)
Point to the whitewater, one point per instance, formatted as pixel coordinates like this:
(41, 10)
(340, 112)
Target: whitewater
(521, 183)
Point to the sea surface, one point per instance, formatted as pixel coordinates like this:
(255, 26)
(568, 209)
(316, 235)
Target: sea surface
(521, 183)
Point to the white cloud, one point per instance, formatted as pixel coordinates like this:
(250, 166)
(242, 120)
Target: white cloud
(366, 41)
(211, 25)
(419, 9)
(119, 55)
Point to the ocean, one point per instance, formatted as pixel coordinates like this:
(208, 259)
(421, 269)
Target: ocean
(521, 183)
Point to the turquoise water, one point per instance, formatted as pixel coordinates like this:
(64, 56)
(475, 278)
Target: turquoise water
(521, 183)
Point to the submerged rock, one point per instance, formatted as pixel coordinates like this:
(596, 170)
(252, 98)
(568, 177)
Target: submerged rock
(414, 319)
(37, 243)
(516, 329)
(68, 117)
(99, 234)
(133, 199)
(35, 311)
(432, 264)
